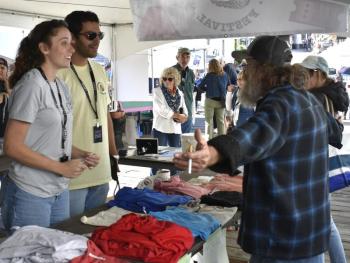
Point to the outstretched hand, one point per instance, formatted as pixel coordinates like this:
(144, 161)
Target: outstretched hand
(203, 157)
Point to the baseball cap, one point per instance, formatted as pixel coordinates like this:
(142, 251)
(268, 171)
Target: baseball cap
(183, 50)
(266, 49)
(3, 62)
(315, 62)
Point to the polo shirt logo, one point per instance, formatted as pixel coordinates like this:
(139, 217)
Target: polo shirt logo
(101, 88)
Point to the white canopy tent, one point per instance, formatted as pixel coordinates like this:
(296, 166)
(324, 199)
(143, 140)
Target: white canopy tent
(179, 19)
(189, 17)
(231, 18)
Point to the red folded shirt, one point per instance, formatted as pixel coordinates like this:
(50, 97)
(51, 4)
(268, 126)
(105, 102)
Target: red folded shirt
(144, 238)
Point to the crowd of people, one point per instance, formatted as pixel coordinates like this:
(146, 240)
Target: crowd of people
(282, 119)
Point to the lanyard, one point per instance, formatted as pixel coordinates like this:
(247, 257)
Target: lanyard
(94, 109)
(58, 106)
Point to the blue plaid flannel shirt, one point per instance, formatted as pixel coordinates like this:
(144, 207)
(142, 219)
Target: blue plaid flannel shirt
(285, 212)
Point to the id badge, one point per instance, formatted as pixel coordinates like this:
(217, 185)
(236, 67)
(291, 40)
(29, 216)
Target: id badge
(97, 131)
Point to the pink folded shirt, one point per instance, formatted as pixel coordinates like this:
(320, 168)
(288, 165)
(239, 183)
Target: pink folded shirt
(178, 186)
(224, 182)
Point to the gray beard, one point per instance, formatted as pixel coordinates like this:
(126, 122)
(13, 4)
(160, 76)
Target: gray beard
(249, 95)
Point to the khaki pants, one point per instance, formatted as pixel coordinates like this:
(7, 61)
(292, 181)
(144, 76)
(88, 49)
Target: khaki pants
(211, 107)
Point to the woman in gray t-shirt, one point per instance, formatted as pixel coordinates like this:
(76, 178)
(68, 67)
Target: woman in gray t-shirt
(39, 132)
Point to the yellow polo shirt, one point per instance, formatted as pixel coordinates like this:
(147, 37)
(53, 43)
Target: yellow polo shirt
(84, 120)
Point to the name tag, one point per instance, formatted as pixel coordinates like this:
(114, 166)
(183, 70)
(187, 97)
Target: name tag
(97, 132)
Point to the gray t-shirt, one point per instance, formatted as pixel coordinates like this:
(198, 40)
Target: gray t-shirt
(31, 101)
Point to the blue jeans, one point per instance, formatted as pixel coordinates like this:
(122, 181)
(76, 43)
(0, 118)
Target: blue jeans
(20, 208)
(336, 249)
(260, 259)
(82, 200)
(167, 139)
(186, 127)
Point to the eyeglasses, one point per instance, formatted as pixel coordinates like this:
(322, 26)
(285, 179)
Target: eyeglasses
(168, 79)
(90, 35)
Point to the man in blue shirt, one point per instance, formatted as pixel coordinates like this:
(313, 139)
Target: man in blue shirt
(284, 147)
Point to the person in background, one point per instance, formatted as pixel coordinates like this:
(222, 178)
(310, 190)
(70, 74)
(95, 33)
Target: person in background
(169, 109)
(347, 88)
(4, 94)
(284, 149)
(92, 125)
(39, 133)
(4, 85)
(119, 121)
(235, 111)
(242, 65)
(231, 72)
(326, 89)
(197, 91)
(215, 84)
(186, 85)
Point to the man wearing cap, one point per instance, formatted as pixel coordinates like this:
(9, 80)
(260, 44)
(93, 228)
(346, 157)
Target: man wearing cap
(187, 84)
(284, 150)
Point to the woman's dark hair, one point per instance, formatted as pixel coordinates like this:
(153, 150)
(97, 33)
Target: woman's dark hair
(29, 55)
(76, 19)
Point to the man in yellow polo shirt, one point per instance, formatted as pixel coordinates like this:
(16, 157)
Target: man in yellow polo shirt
(92, 124)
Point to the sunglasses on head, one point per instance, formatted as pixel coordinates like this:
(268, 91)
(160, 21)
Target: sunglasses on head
(92, 35)
(168, 79)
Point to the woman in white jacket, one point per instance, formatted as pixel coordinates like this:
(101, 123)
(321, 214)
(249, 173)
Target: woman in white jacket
(169, 109)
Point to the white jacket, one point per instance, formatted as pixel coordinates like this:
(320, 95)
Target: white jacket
(162, 113)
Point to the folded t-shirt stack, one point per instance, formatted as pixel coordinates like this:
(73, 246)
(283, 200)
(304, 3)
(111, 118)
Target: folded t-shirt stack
(224, 182)
(201, 225)
(105, 218)
(223, 214)
(145, 200)
(223, 198)
(40, 244)
(177, 186)
(144, 238)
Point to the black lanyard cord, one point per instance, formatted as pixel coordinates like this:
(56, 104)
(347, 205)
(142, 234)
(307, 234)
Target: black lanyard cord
(93, 80)
(58, 106)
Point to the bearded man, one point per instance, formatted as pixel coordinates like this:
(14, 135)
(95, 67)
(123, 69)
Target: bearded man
(284, 150)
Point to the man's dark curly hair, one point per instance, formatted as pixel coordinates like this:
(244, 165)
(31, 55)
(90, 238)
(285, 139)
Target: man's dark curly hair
(76, 19)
